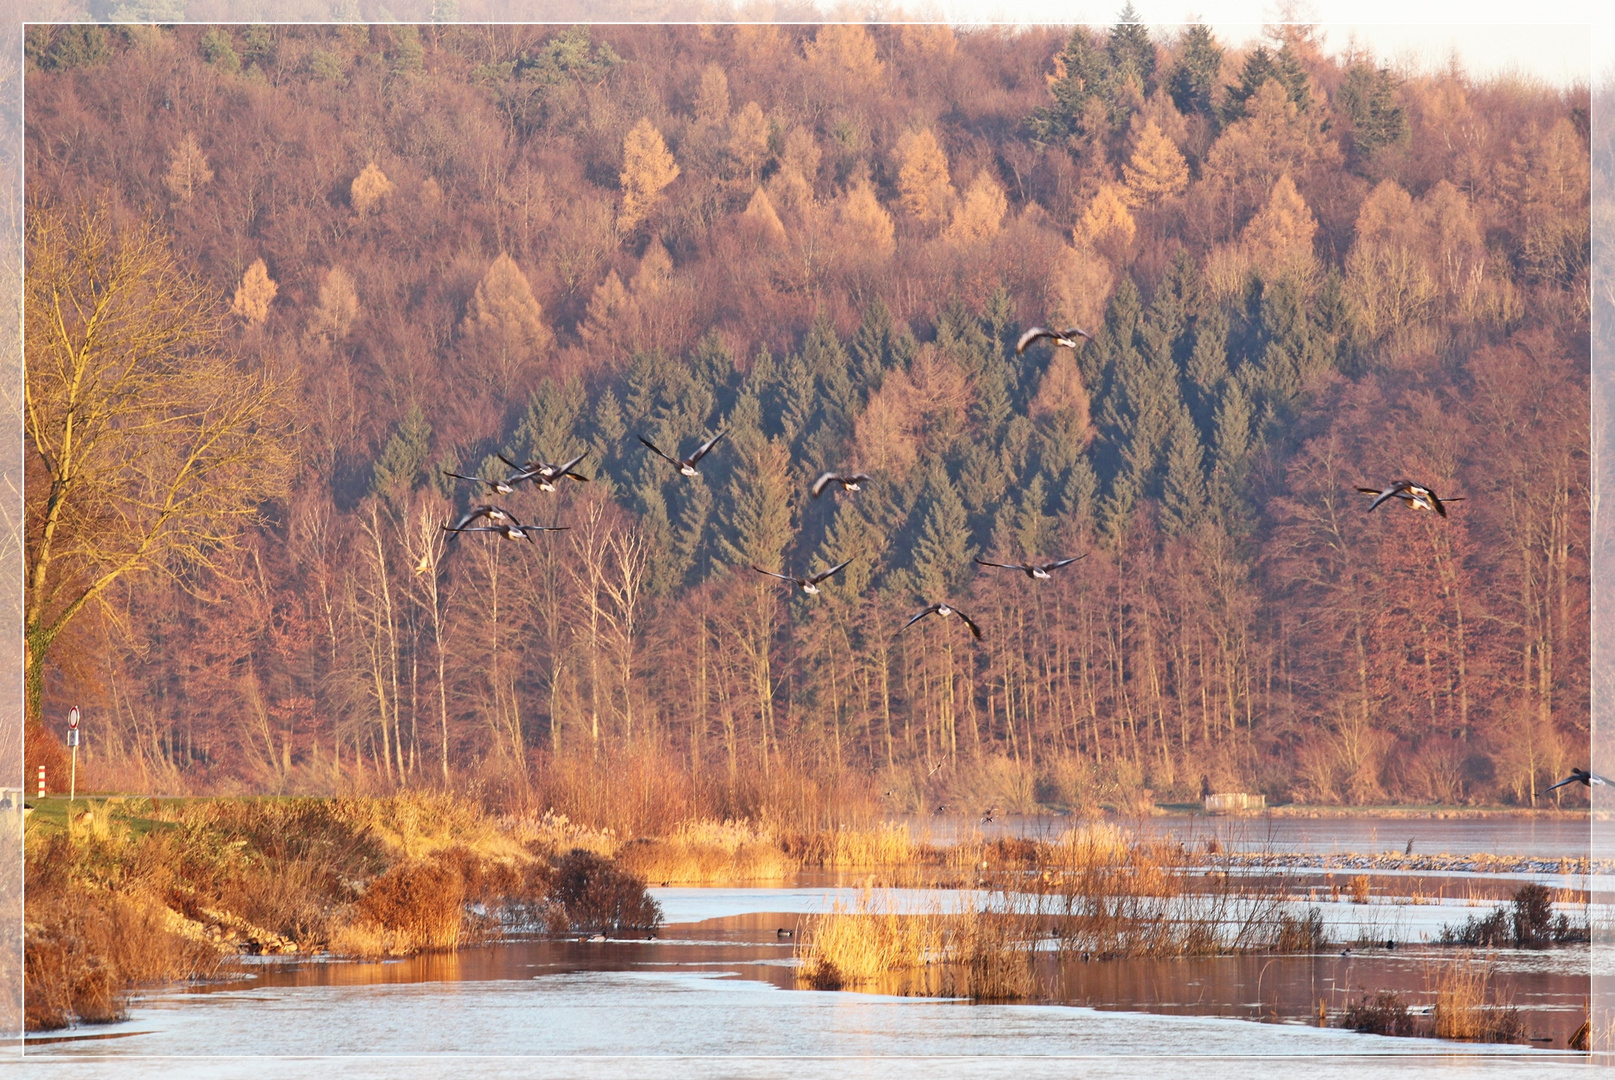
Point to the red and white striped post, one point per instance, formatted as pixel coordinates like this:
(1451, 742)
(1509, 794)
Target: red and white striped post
(42, 781)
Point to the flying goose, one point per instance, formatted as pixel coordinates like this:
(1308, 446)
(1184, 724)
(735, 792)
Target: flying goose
(1035, 571)
(1585, 777)
(1416, 496)
(512, 530)
(848, 482)
(544, 474)
(685, 465)
(481, 510)
(943, 610)
(809, 585)
(503, 487)
(1064, 339)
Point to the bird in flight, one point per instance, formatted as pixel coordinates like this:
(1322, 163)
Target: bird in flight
(1063, 339)
(1035, 571)
(426, 562)
(481, 510)
(1586, 778)
(1416, 496)
(848, 482)
(809, 585)
(510, 528)
(685, 465)
(943, 610)
(503, 487)
(546, 475)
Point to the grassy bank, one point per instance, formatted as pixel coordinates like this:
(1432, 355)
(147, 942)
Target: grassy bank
(129, 892)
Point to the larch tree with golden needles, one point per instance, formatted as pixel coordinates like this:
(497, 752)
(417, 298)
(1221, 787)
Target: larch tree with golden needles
(187, 169)
(1278, 240)
(254, 293)
(1107, 225)
(370, 189)
(748, 138)
(1156, 170)
(150, 448)
(980, 214)
(504, 322)
(922, 176)
(647, 168)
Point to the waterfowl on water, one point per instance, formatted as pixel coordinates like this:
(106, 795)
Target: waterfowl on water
(809, 585)
(944, 610)
(1035, 571)
(1584, 777)
(848, 482)
(1417, 496)
(685, 465)
(544, 474)
(1062, 339)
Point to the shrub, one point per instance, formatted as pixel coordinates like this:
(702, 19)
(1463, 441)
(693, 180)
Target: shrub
(1533, 916)
(1383, 1014)
(423, 903)
(1300, 935)
(594, 894)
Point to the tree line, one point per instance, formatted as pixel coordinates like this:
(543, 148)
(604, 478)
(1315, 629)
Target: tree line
(1303, 272)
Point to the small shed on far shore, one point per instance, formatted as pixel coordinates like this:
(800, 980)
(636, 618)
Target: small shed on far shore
(1234, 802)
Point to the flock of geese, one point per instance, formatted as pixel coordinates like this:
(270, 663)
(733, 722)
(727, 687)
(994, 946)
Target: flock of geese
(547, 476)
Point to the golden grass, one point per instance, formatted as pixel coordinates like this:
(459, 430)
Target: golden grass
(867, 942)
(1467, 1004)
(707, 852)
(966, 951)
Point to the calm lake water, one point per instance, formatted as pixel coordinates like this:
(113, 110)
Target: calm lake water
(715, 995)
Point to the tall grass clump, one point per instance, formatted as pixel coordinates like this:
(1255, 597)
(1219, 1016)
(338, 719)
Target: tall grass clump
(702, 852)
(1468, 1005)
(969, 952)
(1104, 893)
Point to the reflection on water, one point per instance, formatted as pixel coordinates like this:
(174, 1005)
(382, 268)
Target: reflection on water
(714, 994)
(725, 988)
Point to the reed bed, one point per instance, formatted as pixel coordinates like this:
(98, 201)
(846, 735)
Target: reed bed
(704, 852)
(1468, 1003)
(963, 951)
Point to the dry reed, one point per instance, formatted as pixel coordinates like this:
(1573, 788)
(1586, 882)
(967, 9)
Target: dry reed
(1467, 1002)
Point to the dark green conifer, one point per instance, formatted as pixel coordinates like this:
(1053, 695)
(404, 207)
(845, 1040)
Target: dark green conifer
(1193, 79)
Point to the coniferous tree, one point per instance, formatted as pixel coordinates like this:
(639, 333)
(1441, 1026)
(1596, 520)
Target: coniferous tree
(1376, 121)
(872, 345)
(1193, 79)
(1184, 488)
(404, 457)
(942, 550)
(1260, 66)
(1132, 53)
(1085, 80)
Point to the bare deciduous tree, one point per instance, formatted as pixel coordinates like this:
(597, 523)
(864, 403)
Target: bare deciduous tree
(153, 446)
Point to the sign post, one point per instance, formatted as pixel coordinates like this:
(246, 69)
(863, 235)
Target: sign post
(73, 741)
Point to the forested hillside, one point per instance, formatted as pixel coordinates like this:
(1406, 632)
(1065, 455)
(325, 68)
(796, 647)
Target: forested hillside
(1304, 273)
